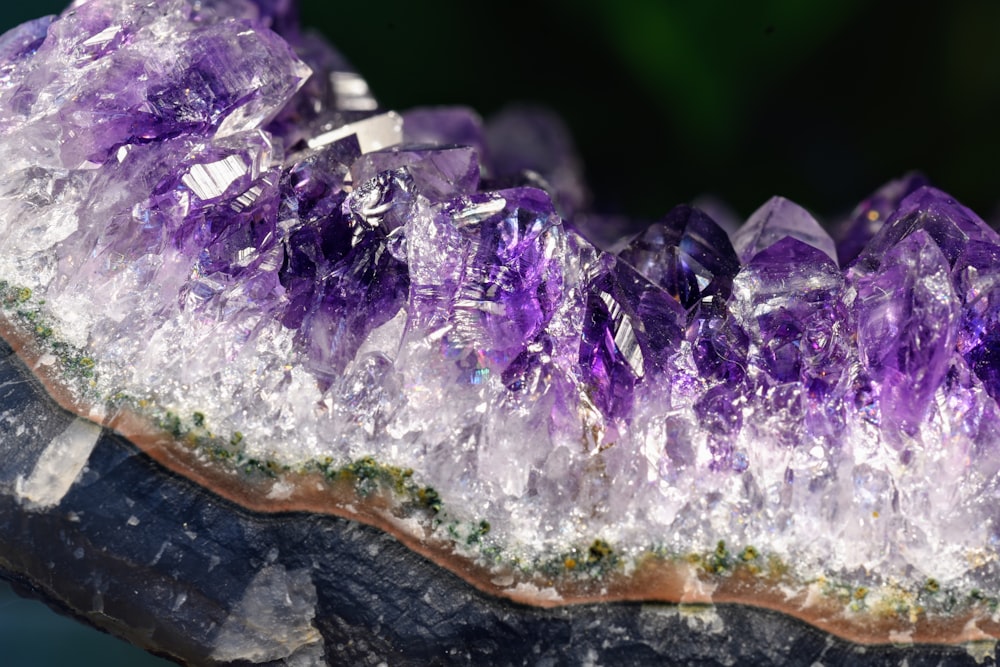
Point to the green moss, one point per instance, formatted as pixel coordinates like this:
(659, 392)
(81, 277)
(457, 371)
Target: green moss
(429, 498)
(720, 560)
(477, 533)
(598, 552)
(171, 423)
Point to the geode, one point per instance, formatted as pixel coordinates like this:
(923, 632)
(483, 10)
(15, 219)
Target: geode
(215, 242)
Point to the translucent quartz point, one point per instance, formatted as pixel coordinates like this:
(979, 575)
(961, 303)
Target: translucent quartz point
(774, 221)
(630, 328)
(948, 223)
(870, 215)
(907, 316)
(446, 126)
(686, 254)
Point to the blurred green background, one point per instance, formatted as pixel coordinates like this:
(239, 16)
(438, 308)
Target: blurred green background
(818, 101)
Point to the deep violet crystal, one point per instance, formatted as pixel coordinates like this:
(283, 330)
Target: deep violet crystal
(907, 316)
(687, 254)
(630, 328)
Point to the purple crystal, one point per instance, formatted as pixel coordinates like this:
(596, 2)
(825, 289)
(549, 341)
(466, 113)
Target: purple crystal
(977, 283)
(385, 201)
(333, 95)
(788, 299)
(951, 225)
(341, 283)
(492, 274)
(719, 410)
(312, 185)
(870, 215)
(774, 221)
(20, 43)
(907, 324)
(718, 348)
(686, 254)
(630, 328)
(191, 77)
(720, 414)
(224, 204)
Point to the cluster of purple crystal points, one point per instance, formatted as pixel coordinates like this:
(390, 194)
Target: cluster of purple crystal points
(212, 205)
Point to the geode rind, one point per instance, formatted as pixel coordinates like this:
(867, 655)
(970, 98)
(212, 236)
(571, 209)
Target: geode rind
(211, 226)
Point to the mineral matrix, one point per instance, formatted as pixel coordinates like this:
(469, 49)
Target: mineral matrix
(207, 221)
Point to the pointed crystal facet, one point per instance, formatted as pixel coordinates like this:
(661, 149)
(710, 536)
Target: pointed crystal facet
(951, 225)
(446, 126)
(334, 94)
(686, 254)
(870, 215)
(774, 221)
(630, 328)
(907, 328)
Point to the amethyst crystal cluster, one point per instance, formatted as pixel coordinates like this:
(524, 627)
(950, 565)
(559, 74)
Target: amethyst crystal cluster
(211, 205)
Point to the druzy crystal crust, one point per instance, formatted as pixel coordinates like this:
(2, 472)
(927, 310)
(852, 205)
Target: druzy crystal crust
(210, 210)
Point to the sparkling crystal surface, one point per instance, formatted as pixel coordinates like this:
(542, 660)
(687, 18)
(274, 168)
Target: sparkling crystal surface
(209, 205)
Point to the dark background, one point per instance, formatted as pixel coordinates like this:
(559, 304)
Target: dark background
(818, 101)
